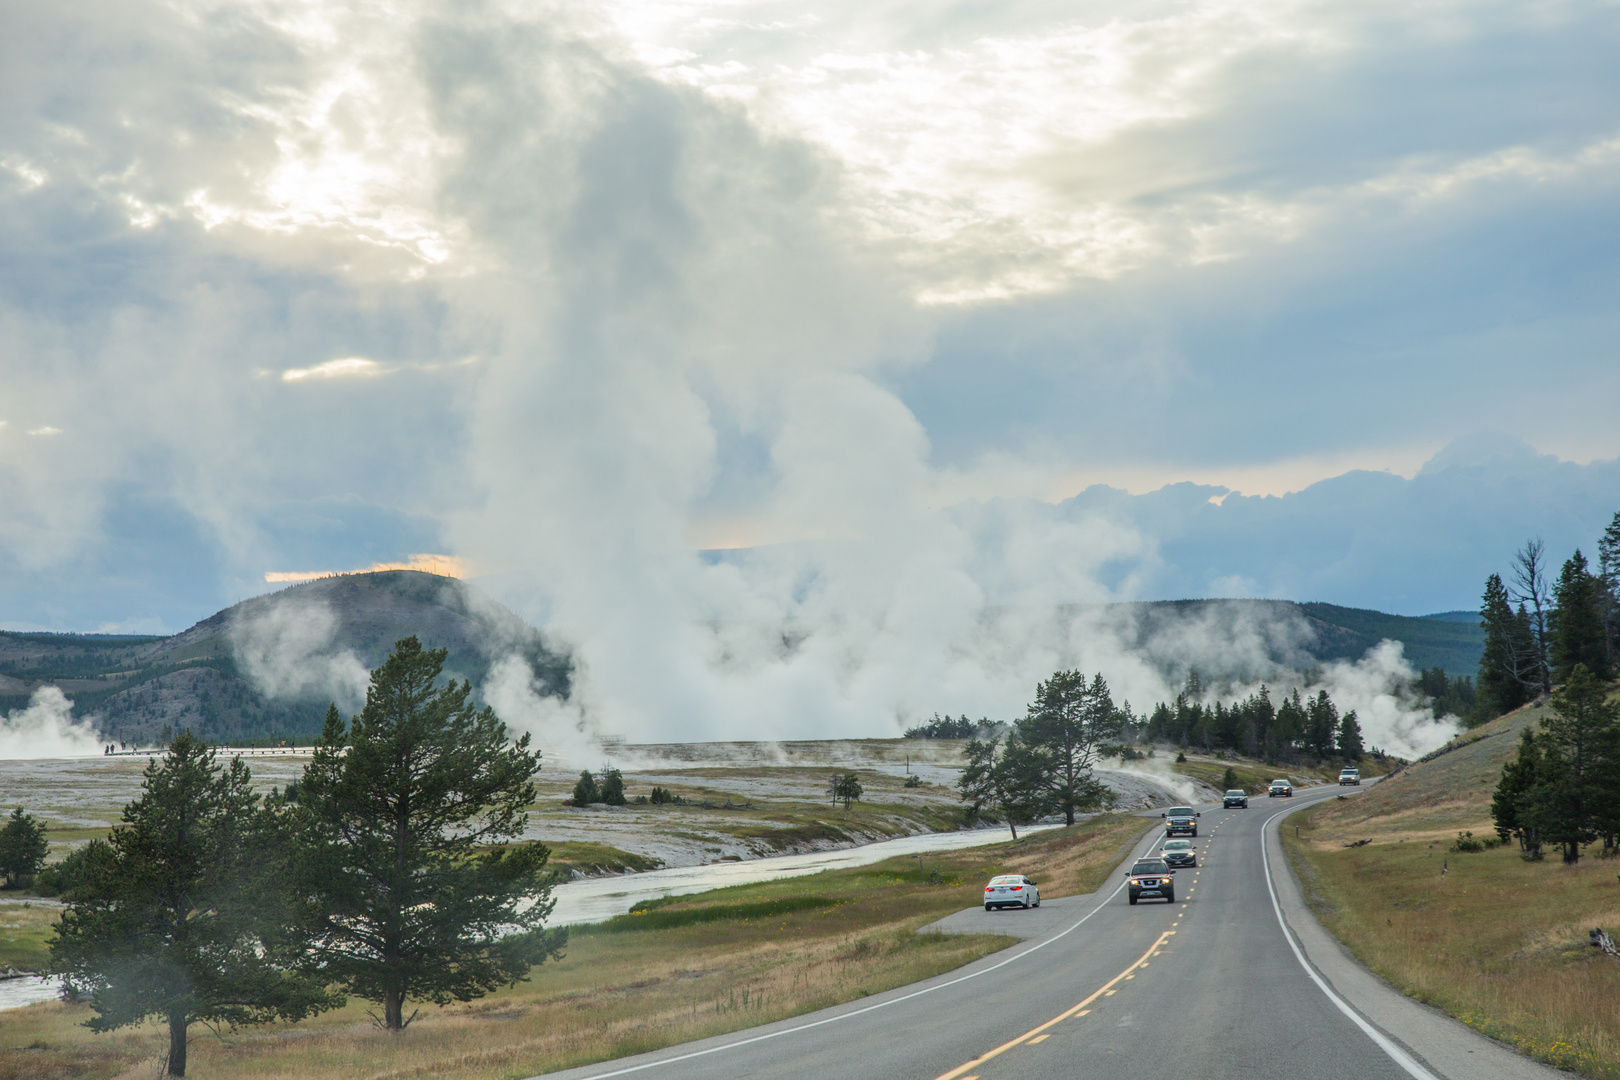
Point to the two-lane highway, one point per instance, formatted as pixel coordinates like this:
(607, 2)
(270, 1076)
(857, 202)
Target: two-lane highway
(1210, 986)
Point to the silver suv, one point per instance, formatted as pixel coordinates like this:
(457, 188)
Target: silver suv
(1180, 819)
(1350, 776)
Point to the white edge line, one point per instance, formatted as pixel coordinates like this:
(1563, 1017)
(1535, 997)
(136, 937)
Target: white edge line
(1396, 1054)
(880, 1005)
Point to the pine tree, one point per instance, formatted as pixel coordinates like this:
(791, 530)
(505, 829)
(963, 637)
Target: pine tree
(1349, 741)
(1580, 754)
(1009, 779)
(1065, 727)
(1507, 658)
(179, 914)
(1322, 725)
(586, 791)
(1578, 635)
(612, 787)
(411, 885)
(1510, 804)
(23, 848)
(1609, 585)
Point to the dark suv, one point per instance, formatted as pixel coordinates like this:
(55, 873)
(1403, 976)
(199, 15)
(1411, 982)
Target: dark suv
(1151, 877)
(1180, 819)
(1236, 797)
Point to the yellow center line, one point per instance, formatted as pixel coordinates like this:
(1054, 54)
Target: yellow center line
(1078, 1010)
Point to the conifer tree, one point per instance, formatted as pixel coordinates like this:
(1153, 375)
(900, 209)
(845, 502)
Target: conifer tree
(1609, 584)
(1510, 808)
(411, 887)
(1507, 670)
(1065, 727)
(1530, 581)
(1578, 632)
(179, 913)
(23, 848)
(1579, 744)
(1349, 741)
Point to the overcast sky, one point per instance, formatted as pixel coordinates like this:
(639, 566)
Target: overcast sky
(572, 292)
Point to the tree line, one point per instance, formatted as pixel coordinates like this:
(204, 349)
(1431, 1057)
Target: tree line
(1538, 628)
(1282, 731)
(391, 870)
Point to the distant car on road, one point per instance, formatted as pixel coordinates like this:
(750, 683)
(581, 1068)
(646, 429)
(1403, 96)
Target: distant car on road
(1280, 789)
(1179, 853)
(1350, 776)
(1151, 877)
(1011, 890)
(1180, 819)
(1236, 797)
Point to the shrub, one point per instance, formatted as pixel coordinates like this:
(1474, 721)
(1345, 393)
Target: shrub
(1465, 842)
(913, 780)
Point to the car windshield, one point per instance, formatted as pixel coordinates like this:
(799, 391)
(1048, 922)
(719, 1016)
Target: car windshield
(1180, 811)
(1178, 845)
(1279, 783)
(1153, 867)
(1234, 794)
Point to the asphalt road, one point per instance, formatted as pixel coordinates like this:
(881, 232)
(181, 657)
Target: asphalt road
(1212, 986)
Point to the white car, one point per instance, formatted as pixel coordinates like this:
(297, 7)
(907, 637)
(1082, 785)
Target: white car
(1011, 890)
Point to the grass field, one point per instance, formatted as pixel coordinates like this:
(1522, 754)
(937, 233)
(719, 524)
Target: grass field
(24, 927)
(780, 948)
(1495, 941)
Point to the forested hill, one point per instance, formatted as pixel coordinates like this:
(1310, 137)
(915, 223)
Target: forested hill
(268, 667)
(1452, 640)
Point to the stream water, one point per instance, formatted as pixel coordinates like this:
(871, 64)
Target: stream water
(599, 899)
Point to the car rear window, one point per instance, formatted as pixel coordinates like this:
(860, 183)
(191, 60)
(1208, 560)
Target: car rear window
(1007, 879)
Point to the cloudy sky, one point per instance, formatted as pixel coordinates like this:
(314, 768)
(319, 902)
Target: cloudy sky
(931, 305)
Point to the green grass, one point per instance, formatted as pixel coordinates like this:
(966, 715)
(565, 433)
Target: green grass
(1255, 777)
(593, 858)
(25, 926)
(667, 918)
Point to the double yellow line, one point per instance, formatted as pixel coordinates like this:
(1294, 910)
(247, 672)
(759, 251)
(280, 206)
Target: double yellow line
(1076, 1011)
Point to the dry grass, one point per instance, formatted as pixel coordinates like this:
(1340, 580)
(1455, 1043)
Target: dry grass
(1497, 942)
(1255, 776)
(622, 993)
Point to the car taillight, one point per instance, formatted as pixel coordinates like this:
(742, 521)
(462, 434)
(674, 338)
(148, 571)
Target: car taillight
(1017, 887)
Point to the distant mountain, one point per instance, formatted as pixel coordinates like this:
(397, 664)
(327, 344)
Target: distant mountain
(269, 667)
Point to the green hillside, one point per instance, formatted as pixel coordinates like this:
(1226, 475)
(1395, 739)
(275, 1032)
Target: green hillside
(1442, 641)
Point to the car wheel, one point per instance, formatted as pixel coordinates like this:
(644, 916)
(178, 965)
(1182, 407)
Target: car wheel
(987, 907)
(1133, 901)
(1037, 899)
(1170, 896)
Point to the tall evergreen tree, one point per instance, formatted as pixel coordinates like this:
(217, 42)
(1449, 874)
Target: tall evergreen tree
(1578, 633)
(408, 889)
(1323, 725)
(1510, 805)
(23, 848)
(1580, 753)
(1349, 741)
(1067, 724)
(1507, 668)
(1609, 580)
(179, 913)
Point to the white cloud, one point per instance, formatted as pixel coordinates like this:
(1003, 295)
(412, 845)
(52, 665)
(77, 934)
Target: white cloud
(347, 367)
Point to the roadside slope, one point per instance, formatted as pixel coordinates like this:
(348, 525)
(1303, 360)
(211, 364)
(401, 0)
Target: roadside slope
(1498, 942)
